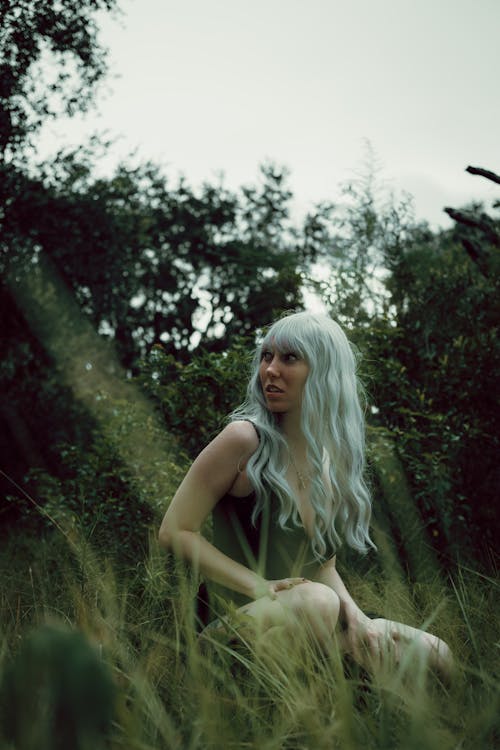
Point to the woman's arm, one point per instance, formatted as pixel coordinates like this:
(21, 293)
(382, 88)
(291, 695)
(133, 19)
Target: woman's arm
(212, 474)
(329, 575)
(359, 635)
(371, 641)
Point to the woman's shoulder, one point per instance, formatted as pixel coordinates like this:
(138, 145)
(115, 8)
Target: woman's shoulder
(242, 434)
(234, 444)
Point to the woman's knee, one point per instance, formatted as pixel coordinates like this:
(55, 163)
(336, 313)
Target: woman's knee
(318, 604)
(439, 654)
(311, 604)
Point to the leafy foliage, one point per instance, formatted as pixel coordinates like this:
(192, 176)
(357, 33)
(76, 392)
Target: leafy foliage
(32, 33)
(431, 359)
(94, 495)
(177, 280)
(152, 263)
(71, 700)
(195, 398)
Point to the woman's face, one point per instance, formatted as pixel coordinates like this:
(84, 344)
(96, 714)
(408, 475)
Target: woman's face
(282, 377)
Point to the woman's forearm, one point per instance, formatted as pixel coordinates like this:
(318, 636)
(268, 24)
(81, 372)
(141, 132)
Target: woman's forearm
(214, 564)
(330, 576)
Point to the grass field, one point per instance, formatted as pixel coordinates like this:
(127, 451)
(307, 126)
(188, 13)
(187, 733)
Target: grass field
(164, 691)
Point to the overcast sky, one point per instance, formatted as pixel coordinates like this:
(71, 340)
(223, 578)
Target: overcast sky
(211, 86)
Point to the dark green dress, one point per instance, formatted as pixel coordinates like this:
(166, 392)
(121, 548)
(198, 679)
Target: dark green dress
(265, 547)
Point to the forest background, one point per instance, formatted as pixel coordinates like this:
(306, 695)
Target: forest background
(128, 308)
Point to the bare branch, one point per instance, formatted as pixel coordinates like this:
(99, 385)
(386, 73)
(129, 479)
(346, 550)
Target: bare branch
(484, 173)
(483, 223)
(477, 254)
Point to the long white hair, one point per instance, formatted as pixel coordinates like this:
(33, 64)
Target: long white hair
(332, 422)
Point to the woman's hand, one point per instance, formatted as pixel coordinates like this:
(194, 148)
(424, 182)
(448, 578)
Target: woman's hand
(271, 588)
(362, 639)
(374, 642)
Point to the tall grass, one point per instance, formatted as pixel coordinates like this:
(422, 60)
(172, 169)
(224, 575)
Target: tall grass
(173, 691)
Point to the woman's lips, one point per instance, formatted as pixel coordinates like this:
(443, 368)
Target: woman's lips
(273, 390)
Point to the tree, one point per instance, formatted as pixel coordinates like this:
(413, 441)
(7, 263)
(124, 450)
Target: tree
(148, 262)
(433, 365)
(40, 38)
(359, 235)
(479, 232)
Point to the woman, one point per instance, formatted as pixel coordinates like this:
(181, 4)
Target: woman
(284, 482)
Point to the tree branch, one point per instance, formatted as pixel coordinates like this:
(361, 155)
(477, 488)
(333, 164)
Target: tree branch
(477, 254)
(475, 223)
(484, 173)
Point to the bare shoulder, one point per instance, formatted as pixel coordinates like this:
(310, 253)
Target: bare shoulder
(212, 474)
(242, 436)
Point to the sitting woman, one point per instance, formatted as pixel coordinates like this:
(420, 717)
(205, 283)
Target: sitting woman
(284, 481)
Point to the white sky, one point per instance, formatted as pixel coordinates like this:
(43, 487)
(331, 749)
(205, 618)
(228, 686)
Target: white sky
(211, 86)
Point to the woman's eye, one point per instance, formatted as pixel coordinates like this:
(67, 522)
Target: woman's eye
(267, 356)
(291, 357)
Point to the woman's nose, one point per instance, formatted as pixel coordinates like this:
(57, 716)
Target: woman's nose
(273, 366)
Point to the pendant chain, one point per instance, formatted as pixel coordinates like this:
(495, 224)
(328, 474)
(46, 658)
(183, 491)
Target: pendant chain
(301, 476)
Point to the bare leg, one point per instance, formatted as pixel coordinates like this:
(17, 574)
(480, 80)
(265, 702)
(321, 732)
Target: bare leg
(399, 643)
(309, 605)
(314, 608)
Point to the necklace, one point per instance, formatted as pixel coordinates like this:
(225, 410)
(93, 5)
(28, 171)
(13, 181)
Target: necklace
(302, 478)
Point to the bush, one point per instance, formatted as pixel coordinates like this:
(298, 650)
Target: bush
(195, 398)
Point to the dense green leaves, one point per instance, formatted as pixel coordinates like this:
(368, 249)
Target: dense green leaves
(195, 398)
(34, 34)
(149, 262)
(177, 280)
(432, 364)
